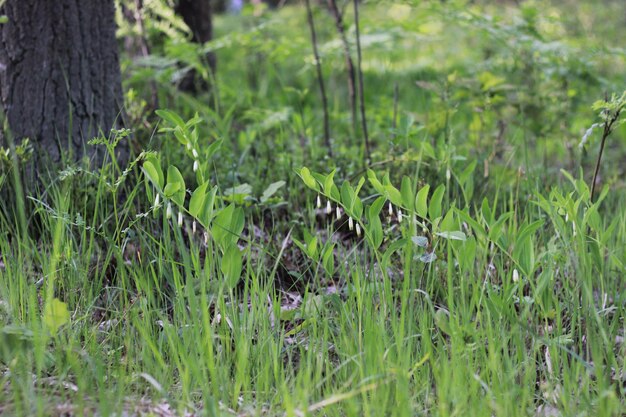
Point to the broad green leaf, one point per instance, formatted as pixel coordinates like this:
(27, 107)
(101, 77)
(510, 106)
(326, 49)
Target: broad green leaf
(171, 117)
(328, 259)
(13, 341)
(213, 148)
(456, 235)
(378, 186)
(152, 170)
(232, 264)
(329, 183)
(442, 320)
(359, 186)
(55, 315)
(207, 213)
(408, 195)
(181, 136)
(428, 257)
(421, 241)
(311, 248)
(495, 230)
(227, 226)
(434, 209)
(197, 201)
(175, 178)
(271, 190)
(421, 202)
(398, 244)
(375, 231)
(478, 229)
(171, 189)
(487, 213)
(394, 195)
(376, 207)
(308, 179)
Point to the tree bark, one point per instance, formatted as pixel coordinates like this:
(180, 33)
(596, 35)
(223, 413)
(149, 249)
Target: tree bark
(60, 82)
(197, 15)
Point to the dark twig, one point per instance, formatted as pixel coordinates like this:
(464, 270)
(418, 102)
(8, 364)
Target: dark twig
(332, 5)
(360, 72)
(608, 127)
(320, 77)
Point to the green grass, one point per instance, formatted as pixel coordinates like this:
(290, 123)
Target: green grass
(520, 317)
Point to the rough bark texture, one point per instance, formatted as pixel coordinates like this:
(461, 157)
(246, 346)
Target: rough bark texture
(197, 15)
(60, 82)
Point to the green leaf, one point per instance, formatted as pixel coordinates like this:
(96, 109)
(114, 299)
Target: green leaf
(213, 148)
(495, 230)
(329, 183)
(428, 257)
(227, 226)
(152, 170)
(434, 210)
(14, 340)
(271, 190)
(207, 213)
(421, 202)
(55, 315)
(328, 259)
(408, 196)
(376, 207)
(177, 186)
(347, 197)
(308, 179)
(394, 195)
(378, 186)
(442, 321)
(171, 117)
(421, 241)
(232, 264)
(171, 188)
(197, 202)
(464, 216)
(456, 235)
(398, 244)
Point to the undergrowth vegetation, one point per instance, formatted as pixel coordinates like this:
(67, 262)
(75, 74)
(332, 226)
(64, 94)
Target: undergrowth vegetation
(472, 261)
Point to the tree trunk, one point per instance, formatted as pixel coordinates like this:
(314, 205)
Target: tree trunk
(197, 15)
(60, 81)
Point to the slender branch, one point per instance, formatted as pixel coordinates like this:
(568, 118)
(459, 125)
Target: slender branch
(360, 72)
(320, 77)
(332, 5)
(608, 127)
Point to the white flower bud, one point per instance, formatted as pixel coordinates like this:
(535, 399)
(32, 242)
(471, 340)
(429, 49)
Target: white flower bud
(329, 207)
(196, 165)
(358, 230)
(515, 275)
(189, 146)
(168, 212)
(399, 216)
(180, 218)
(157, 200)
(350, 223)
(390, 209)
(319, 201)
(193, 227)
(194, 153)
(338, 212)
(448, 174)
